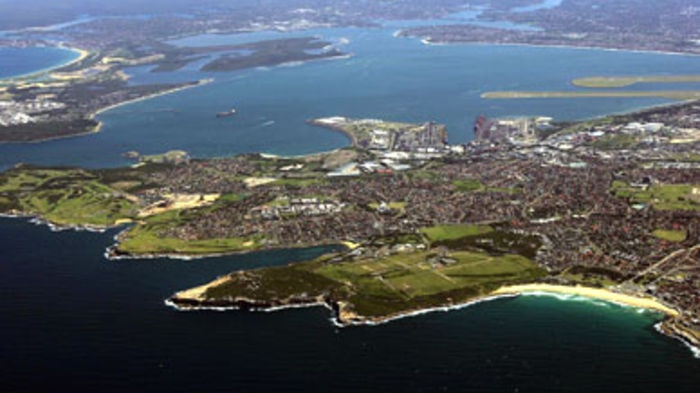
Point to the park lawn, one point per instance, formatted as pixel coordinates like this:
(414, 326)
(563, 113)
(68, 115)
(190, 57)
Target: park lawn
(65, 196)
(381, 287)
(675, 236)
(661, 196)
(18, 180)
(232, 198)
(477, 265)
(408, 276)
(146, 238)
(452, 232)
(468, 185)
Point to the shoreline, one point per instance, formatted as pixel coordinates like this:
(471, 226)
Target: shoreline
(607, 295)
(82, 55)
(427, 40)
(195, 294)
(98, 127)
(192, 300)
(96, 113)
(200, 82)
(319, 123)
(40, 221)
(109, 251)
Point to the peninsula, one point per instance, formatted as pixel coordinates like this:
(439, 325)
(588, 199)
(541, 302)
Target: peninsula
(411, 222)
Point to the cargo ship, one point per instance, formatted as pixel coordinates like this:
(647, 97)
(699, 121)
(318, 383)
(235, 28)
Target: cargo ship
(226, 113)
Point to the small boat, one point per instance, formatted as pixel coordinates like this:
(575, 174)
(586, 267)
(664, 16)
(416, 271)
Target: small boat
(227, 113)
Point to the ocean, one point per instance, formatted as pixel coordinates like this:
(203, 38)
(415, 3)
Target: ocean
(21, 61)
(73, 320)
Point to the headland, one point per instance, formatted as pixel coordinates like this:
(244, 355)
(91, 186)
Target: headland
(606, 208)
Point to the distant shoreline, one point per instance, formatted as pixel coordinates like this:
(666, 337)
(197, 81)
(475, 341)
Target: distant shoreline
(200, 82)
(98, 127)
(425, 40)
(100, 124)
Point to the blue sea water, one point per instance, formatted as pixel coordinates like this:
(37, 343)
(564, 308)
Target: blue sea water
(21, 61)
(72, 320)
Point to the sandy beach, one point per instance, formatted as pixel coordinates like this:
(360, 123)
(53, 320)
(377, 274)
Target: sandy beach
(82, 54)
(595, 293)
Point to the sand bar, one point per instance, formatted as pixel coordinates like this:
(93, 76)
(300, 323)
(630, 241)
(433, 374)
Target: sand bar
(197, 293)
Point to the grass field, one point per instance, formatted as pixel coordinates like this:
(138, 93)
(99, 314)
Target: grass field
(675, 236)
(451, 232)
(147, 238)
(379, 287)
(468, 185)
(65, 197)
(661, 196)
(624, 81)
(617, 141)
(410, 281)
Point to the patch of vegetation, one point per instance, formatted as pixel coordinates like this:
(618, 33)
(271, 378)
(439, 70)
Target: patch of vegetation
(496, 242)
(661, 196)
(172, 156)
(273, 284)
(452, 232)
(624, 81)
(266, 53)
(65, 196)
(46, 130)
(384, 286)
(592, 276)
(468, 185)
(424, 174)
(150, 237)
(506, 190)
(687, 156)
(7, 204)
(231, 198)
(616, 142)
(675, 236)
(669, 94)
